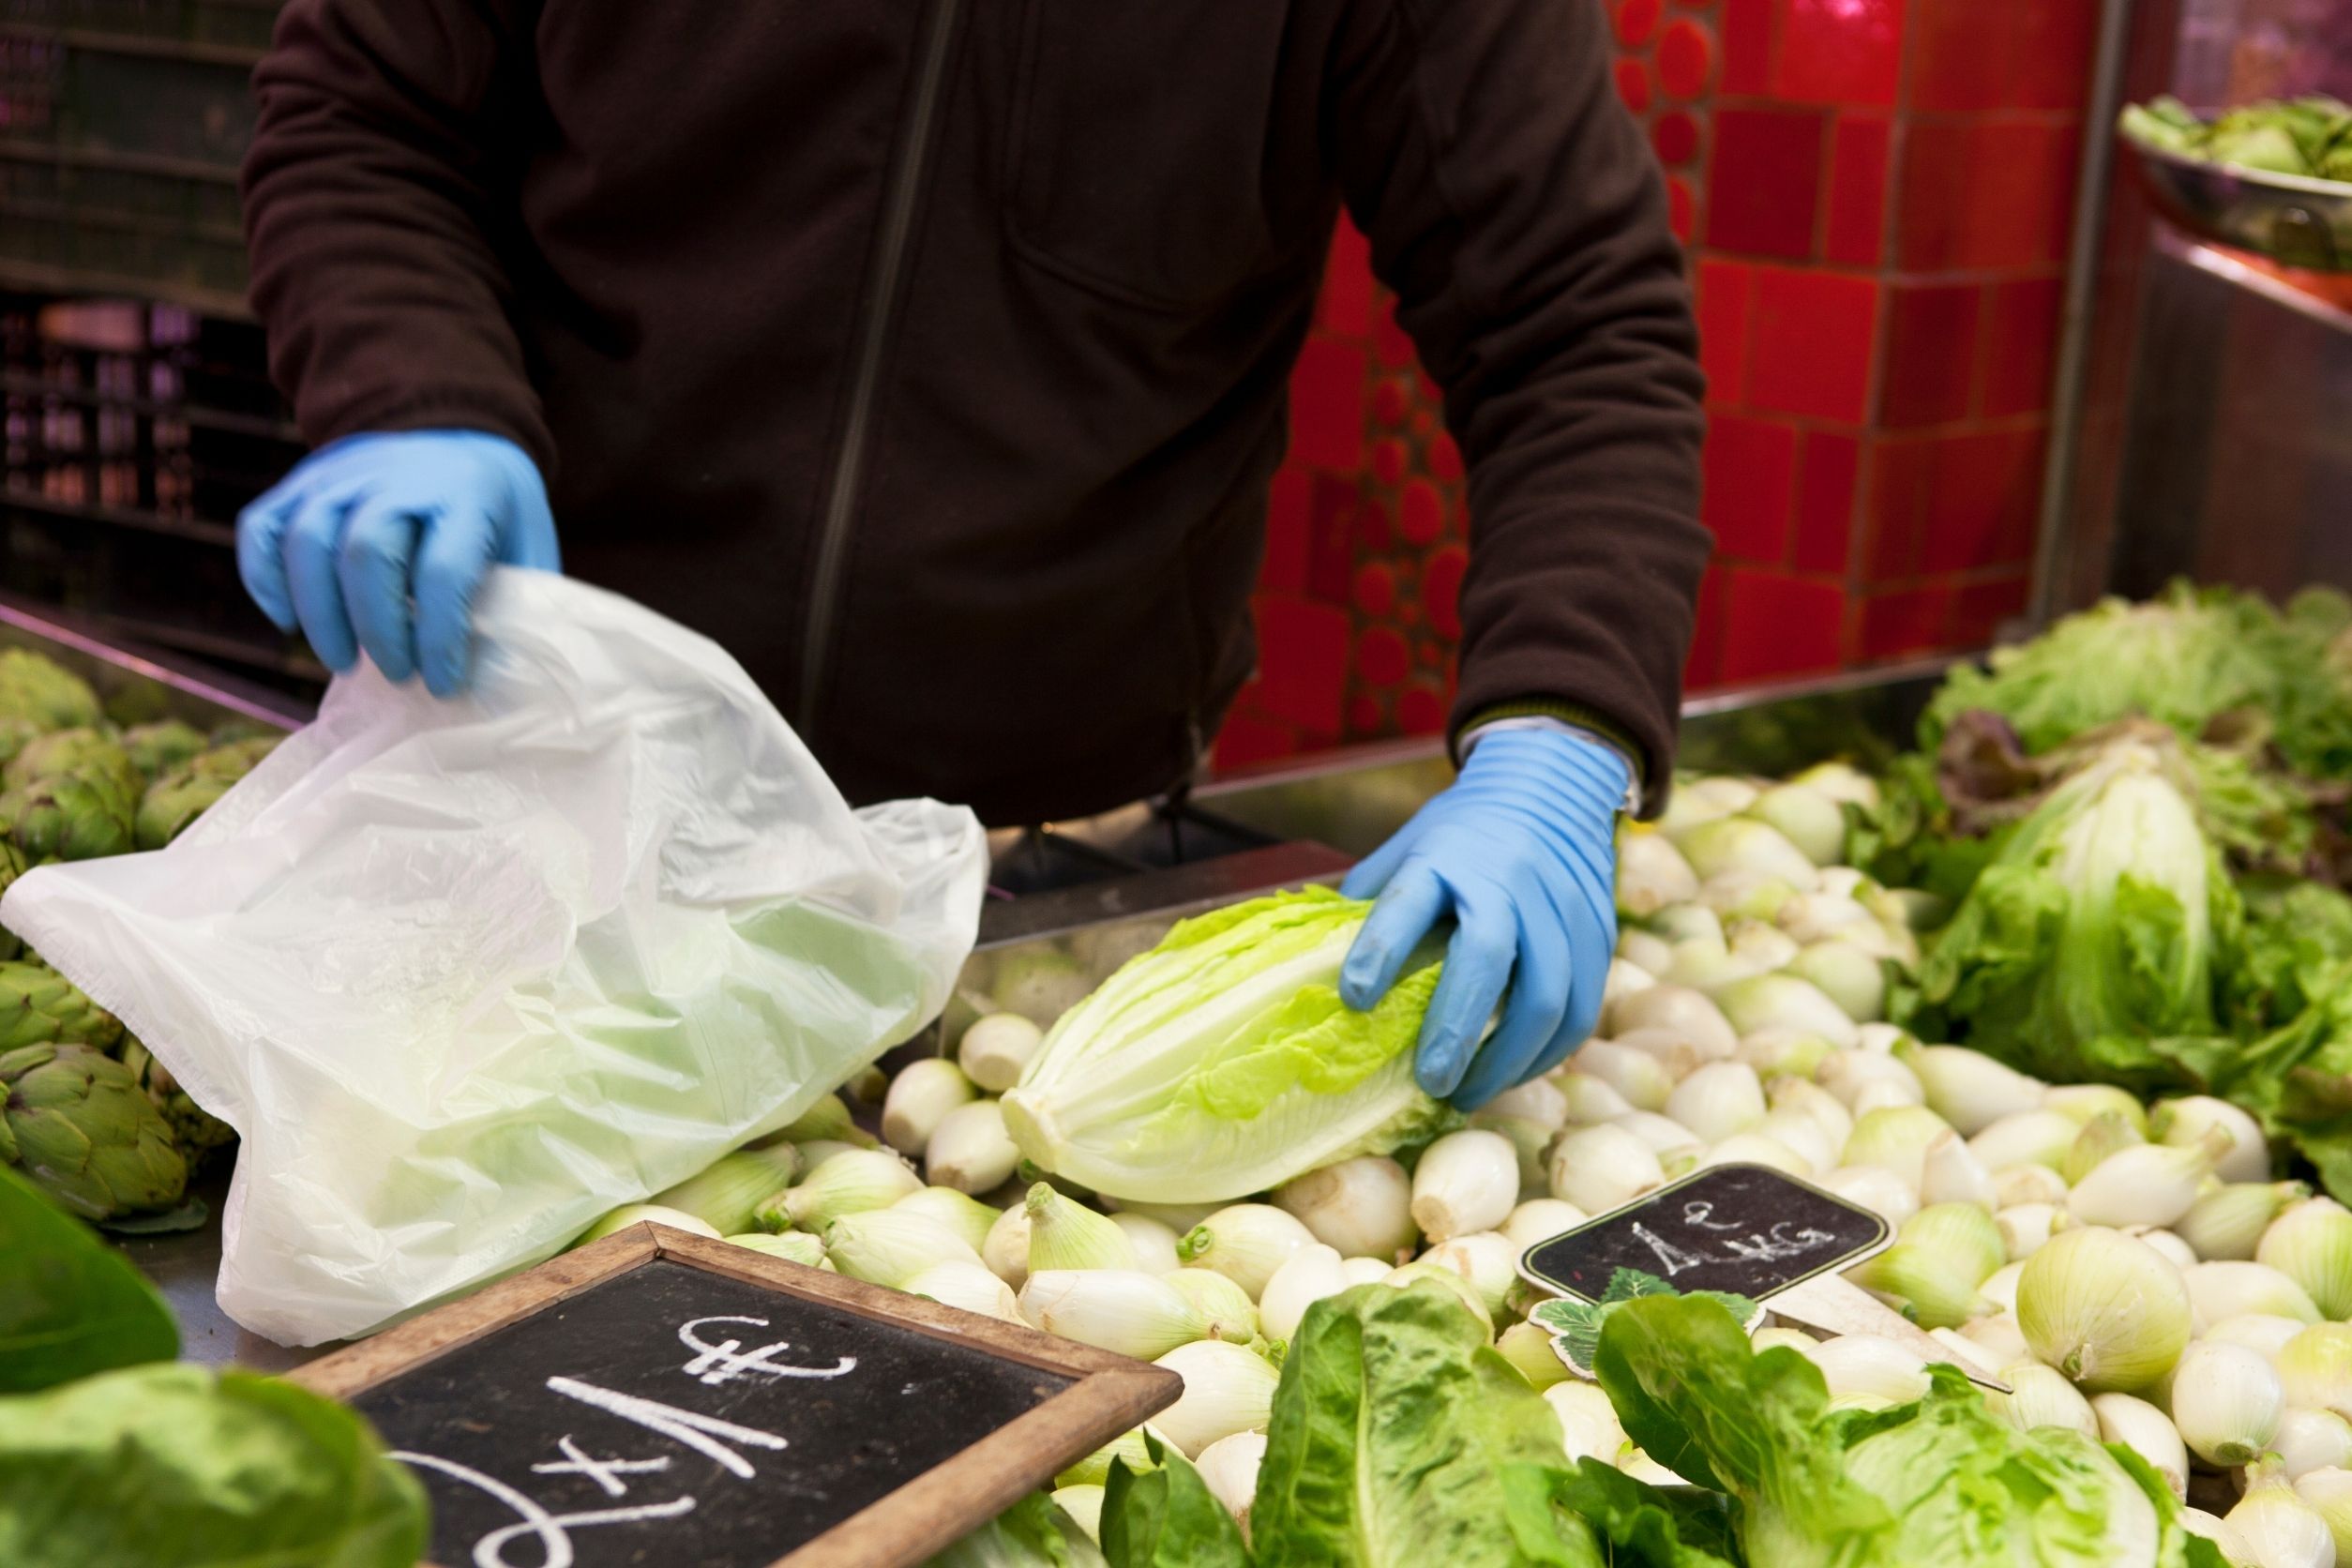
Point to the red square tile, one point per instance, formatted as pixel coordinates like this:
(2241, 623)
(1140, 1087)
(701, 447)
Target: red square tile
(1957, 502)
(1724, 290)
(1704, 666)
(1931, 352)
(1839, 51)
(1962, 50)
(1827, 468)
(2021, 344)
(1747, 47)
(1776, 625)
(1764, 180)
(1327, 398)
(1940, 617)
(1994, 194)
(1902, 477)
(1811, 345)
(1856, 231)
(2055, 44)
(1289, 522)
(1346, 306)
(1985, 500)
(1301, 662)
(2023, 199)
(1749, 465)
(1335, 526)
(1246, 738)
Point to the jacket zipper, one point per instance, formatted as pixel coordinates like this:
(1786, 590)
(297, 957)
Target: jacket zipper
(847, 479)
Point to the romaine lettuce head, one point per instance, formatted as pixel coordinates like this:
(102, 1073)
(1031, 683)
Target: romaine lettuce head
(2102, 923)
(1941, 1481)
(1222, 1063)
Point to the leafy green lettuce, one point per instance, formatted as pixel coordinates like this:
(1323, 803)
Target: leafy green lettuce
(1223, 1063)
(70, 1304)
(2207, 663)
(2105, 919)
(1399, 1439)
(110, 1454)
(1033, 1533)
(171, 1466)
(1940, 1481)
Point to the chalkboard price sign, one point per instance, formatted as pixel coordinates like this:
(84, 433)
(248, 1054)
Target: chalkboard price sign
(1745, 1230)
(661, 1398)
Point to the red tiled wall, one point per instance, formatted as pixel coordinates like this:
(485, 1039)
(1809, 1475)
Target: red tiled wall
(1877, 195)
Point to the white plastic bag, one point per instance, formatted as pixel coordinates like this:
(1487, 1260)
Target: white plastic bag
(464, 975)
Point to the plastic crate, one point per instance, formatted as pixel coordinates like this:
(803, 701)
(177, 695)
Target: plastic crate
(122, 123)
(233, 24)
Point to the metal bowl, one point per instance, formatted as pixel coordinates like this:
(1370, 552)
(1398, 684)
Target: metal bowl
(2291, 218)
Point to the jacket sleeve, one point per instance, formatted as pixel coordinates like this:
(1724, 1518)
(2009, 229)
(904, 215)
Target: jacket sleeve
(1515, 209)
(379, 190)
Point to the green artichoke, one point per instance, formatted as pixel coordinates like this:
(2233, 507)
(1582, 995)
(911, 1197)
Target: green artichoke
(39, 1006)
(231, 760)
(78, 1123)
(231, 731)
(64, 752)
(197, 1131)
(11, 867)
(15, 735)
(159, 749)
(172, 803)
(43, 691)
(74, 816)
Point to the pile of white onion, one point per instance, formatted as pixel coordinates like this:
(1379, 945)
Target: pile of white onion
(2133, 1271)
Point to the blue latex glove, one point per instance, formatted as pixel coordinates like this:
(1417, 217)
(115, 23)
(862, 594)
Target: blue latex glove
(380, 542)
(1521, 852)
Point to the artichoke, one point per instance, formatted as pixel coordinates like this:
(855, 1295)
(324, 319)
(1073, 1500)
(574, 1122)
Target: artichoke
(78, 1122)
(45, 693)
(197, 1131)
(39, 1006)
(159, 748)
(231, 760)
(74, 816)
(11, 867)
(15, 735)
(64, 751)
(179, 798)
(172, 803)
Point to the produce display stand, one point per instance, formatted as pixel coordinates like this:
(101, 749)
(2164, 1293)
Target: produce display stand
(1071, 900)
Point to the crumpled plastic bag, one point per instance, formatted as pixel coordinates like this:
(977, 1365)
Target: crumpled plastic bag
(464, 975)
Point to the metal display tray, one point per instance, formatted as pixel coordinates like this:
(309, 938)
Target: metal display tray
(137, 685)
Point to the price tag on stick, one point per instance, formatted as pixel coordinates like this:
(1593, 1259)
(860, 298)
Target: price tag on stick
(1740, 1230)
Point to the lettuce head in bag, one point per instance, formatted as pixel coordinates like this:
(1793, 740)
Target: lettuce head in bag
(1222, 1063)
(465, 974)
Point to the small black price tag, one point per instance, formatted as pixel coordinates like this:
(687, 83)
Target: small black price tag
(1739, 1229)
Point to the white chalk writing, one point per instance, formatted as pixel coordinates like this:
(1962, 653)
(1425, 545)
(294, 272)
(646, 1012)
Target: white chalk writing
(605, 1474)
(551, 1531)
(718, 1363)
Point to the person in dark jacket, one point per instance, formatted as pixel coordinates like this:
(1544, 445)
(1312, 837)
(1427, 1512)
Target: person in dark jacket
(931, 355)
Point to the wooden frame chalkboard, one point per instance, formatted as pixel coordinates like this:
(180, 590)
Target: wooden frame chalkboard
(1105, 1394)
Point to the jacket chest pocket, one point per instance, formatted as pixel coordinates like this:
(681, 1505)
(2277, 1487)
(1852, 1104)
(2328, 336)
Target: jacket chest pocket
(1149, 140)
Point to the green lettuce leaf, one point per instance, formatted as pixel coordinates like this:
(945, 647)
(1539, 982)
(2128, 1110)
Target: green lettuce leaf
(1033, 1533)
(1222, 1063)
(1166, 1518)
(2107, 919)
(1392, 1425)
(70, 1304)
(1940, 1481)
(1640, 1526)
(179, 1467)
